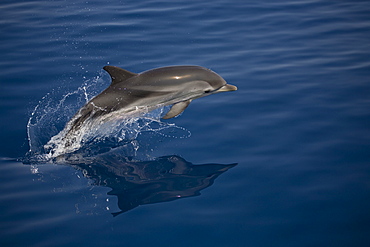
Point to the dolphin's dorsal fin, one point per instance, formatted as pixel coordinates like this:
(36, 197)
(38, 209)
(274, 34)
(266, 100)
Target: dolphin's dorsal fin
(117, 74)
(176, 109)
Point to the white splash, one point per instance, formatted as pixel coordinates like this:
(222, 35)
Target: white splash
(47, 128)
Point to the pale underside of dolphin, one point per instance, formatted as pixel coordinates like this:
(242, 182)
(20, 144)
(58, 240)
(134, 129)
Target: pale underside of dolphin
(131, 93)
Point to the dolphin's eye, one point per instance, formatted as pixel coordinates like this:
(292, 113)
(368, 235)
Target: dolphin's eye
(207, 91)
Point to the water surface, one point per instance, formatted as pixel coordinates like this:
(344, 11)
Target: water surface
(283, 161)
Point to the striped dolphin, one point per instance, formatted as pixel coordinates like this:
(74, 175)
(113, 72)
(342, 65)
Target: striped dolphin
(131, 93)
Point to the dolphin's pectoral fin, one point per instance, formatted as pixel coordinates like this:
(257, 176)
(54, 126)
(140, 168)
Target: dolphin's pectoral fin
(117, 74)
(176, 109)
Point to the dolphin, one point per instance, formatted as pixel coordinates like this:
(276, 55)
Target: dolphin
(130, 93)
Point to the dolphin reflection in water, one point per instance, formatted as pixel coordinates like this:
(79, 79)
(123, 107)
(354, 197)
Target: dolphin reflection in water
(137, 183)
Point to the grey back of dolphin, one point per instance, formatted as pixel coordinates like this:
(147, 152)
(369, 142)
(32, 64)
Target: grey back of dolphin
(129, 92)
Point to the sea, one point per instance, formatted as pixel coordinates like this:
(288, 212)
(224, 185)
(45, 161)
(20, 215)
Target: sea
(283, 161)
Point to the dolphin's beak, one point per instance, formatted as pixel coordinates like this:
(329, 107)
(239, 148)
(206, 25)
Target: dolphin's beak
(227, 88)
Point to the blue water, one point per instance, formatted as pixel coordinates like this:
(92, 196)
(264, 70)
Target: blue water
(283, 161)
